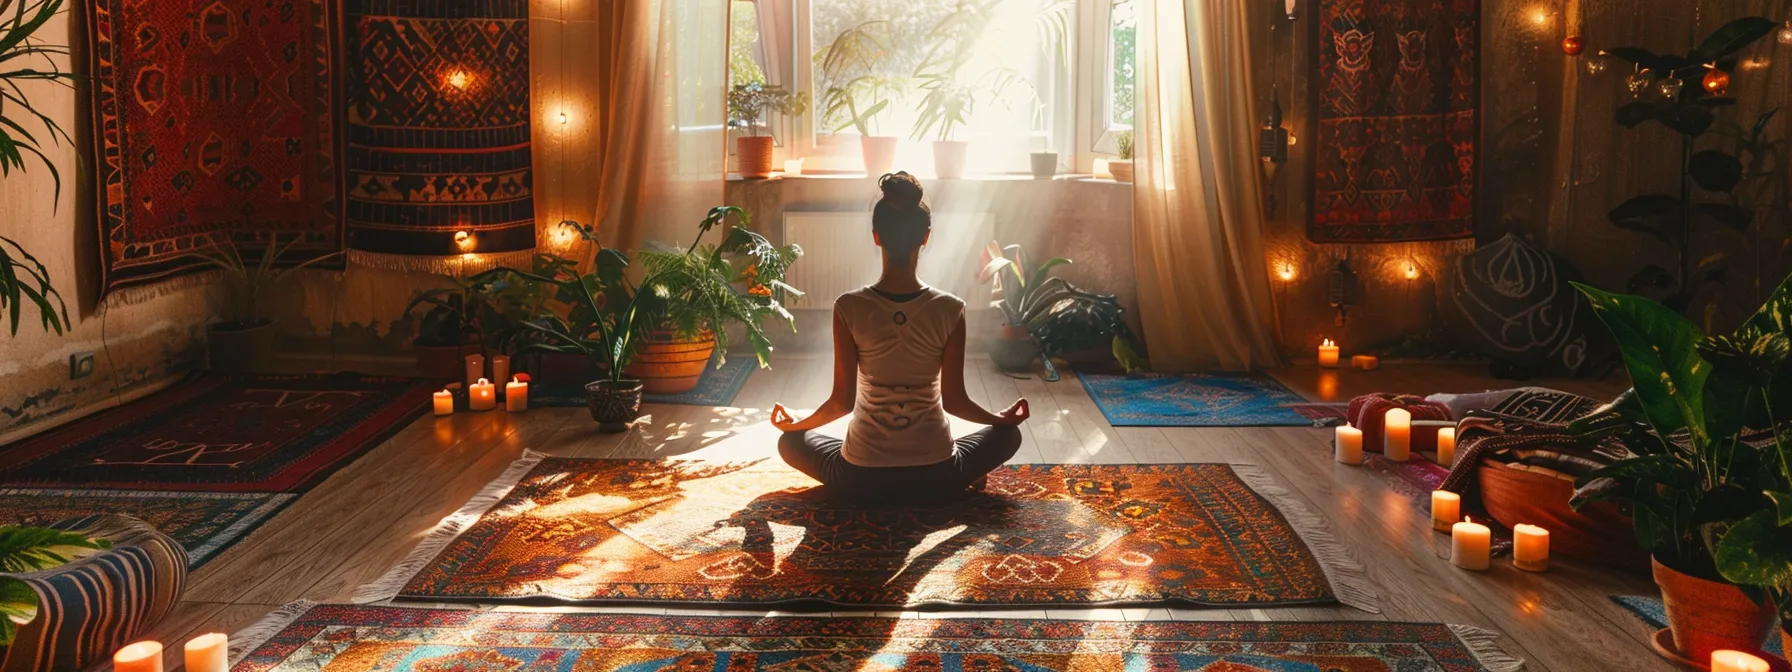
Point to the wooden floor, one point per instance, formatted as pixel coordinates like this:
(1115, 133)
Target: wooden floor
(368, 516)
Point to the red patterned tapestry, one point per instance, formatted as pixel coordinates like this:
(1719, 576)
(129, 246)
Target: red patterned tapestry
(1396, 107)
(211, 115)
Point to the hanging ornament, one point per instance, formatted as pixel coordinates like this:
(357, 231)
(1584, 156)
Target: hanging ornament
(1272, 141)
(1785, 34)
(1638, 82)
(1716, 82)
(1595, 64)
(1572, 45)
(1670, 87)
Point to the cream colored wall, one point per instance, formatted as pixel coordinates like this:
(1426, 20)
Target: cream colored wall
(138, 346)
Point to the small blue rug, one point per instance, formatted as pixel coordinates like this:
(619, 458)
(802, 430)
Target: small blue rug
(1195, 400)
(1650, 611)
(717, 388)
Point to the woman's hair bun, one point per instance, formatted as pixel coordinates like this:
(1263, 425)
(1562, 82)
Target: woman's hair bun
(902, 191)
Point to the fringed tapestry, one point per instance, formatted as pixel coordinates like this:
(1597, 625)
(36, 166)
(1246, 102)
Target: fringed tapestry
(438, 125)
(211, 116)
(1396, 113)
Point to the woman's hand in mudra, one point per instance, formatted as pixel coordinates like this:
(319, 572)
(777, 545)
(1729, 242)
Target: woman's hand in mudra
(1016, 414)
(782, 419)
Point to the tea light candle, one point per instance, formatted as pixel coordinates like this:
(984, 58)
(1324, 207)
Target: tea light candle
(482, 396)
(793, 167)
(1530, 548)
(1328, 354)
(1446, 446)
(1470, 545)
(208, 653)
(444, 402)
(516, 396)
(500, 367)
(475, 368)
(1365, 362)
(1396, 434)
(1348, 445)
(1726, 660)
(143, 656)
(1446, 509)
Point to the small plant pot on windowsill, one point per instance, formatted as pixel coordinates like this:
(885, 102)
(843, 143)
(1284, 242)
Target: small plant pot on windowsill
(949, 158)
(1014, 351)
(1045, 165)
(1121, 170)
(879, 153)
(241, 347)
(1704, 616)
(755, 154)
(613, 404)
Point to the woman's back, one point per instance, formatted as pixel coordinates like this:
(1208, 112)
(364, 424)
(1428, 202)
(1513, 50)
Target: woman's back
(901, 341)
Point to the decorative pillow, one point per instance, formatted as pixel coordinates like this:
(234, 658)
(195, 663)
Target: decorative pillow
(1511, 302)
(1368, 413)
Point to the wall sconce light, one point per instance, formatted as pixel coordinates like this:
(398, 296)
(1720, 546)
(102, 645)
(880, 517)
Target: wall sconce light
(1540, 17)
(563, 118)
(465, 241)
(1411, 271)
(459, 79)
(1285, 271)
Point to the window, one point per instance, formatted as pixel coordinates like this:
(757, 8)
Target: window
(1123, 43)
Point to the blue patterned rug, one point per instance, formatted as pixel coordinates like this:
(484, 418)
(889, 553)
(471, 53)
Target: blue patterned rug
(1650, 611)
(717, 388)
(1195, 400)
(205, 523)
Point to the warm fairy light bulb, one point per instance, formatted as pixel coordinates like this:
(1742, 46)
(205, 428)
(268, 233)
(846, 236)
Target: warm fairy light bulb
(1670, 87)
(1292, 140)
(1412, 270)
(1716, 82)
(1540, 16)
(459, 79)
(1785, 34)
(1596, 64)
(564, 118)
(1286, 272)
(464, 241)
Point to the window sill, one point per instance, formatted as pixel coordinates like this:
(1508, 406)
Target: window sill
(999, 177)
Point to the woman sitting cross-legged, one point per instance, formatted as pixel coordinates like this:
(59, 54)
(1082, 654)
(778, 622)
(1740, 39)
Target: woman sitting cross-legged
(899, 369)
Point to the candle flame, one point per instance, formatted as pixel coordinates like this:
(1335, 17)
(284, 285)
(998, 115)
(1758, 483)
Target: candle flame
(1327, 344)
(516, 379)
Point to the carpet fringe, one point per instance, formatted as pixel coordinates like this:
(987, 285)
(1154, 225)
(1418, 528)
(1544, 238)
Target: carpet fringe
(132, 295)
(1483, 644)
(1349, 580)
(245, 641)
(390, 584)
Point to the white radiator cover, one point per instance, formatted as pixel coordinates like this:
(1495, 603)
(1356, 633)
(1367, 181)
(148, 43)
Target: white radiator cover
(839, 255)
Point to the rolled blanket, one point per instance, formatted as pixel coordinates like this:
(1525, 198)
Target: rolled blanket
(1368, 413)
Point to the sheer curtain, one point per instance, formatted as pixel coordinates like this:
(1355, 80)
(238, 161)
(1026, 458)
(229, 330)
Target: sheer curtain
(1204, 297)
(662, 80)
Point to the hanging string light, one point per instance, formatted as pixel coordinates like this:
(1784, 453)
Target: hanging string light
(1785, 34)
(1596, 63)
(1572, 45)
(1716, 81)
(1670, 87)
(1638, 82)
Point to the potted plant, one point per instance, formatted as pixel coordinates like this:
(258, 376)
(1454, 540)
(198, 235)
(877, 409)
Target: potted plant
(747, 104)
(1045, 316)
(449, 330)
(243, 341)
(32, 549)
(856, 93)
(22, 277)
(1121, 168)
(1708, 483)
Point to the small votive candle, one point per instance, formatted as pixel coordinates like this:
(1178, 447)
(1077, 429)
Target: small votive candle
(1365, 362)
(142, 656)
(516, 396)
(1396, 433)
(208, 653)
(444, 402)
(1471, 545)
(1348, 445)
(1446, 446)
(475, 368)
(793, 167)
(1446, 510)
(500, 367)
(1530, 548)
(482, 395)
(1328, 354)
(1726, 660)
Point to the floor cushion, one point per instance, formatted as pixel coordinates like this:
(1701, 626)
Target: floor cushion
(1368, 413)
(1601, 533)
(90, 607)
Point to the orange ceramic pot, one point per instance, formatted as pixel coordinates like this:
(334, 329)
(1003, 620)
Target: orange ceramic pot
(667, 365)
(755, 154)
(1705, 616)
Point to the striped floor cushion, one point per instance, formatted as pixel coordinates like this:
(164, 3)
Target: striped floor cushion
(93, 606)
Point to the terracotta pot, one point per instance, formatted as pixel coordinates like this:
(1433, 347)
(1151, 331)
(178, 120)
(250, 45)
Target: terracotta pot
(1599, 533)
(248, 350)
(949, 158)
(1014, 351)
(1045, 165)
(1121, 169)
(444, 362)
(613, 404)
(1705, 616)
(667, 365)
(879, 152)
(755, 154)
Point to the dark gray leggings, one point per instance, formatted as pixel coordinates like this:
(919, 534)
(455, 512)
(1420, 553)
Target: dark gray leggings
(973, 457)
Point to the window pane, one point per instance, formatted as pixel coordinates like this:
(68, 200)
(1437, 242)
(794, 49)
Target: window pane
(1123, 38)
(744, 59)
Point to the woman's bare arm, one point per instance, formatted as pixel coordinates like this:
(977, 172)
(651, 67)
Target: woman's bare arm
(846, 386)
(957, 401)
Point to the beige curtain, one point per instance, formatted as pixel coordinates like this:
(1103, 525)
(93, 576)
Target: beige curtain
(1204, 297)
(661, 89)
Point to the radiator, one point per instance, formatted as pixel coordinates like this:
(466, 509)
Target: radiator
(839, 255)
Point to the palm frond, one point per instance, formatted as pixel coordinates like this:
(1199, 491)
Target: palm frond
(30, 549)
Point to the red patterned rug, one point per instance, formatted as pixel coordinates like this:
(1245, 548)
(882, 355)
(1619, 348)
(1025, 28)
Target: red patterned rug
(221, 434)
(212, 115)
(623, 531)
(365, 639)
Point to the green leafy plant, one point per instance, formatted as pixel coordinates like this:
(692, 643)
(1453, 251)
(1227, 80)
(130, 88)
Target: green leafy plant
(747, 104)
(1709, 178)
(247, 284)
(955, 73)
(22, 277)
(855, 94)
(455, 315)
(1058, 317)
(1123, 145)
(31, 549)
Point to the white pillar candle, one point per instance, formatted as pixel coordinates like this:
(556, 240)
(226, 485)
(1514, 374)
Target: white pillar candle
(208, 653)
(1725, 660)
(475, 368)
(1446, 446)
(1446, 510)
(142, 656)
(1471, 545)
(516, 396)
(1101, 170)
(1530, 548)
(482, 395)
(1328, 354)
(444, 402)
(1348, 445)
(500, 367)
(1396, 434)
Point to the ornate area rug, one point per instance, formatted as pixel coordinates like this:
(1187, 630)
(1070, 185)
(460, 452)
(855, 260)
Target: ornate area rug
(587, 531)
(1397, 89)
(211, 116)
(301, 636)
(1196, 400)
(717, 387)
(221, 434)
(204, 523)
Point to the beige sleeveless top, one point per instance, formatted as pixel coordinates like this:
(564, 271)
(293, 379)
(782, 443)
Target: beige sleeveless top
(897, 420)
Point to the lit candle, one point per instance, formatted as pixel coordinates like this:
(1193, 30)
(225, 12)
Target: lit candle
(793, 167)
(516, 396)
(1365, 362)
(475, 367)
(1446, 446)
(1530, 548)
(1725, 660)
(1396, 433)
(444, 402)
(1348, 444)
(1470, 545)
(500, 367)
(208, 653)
(482, 395)
(143, 656)
(1446, 510)
(1328, 354)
